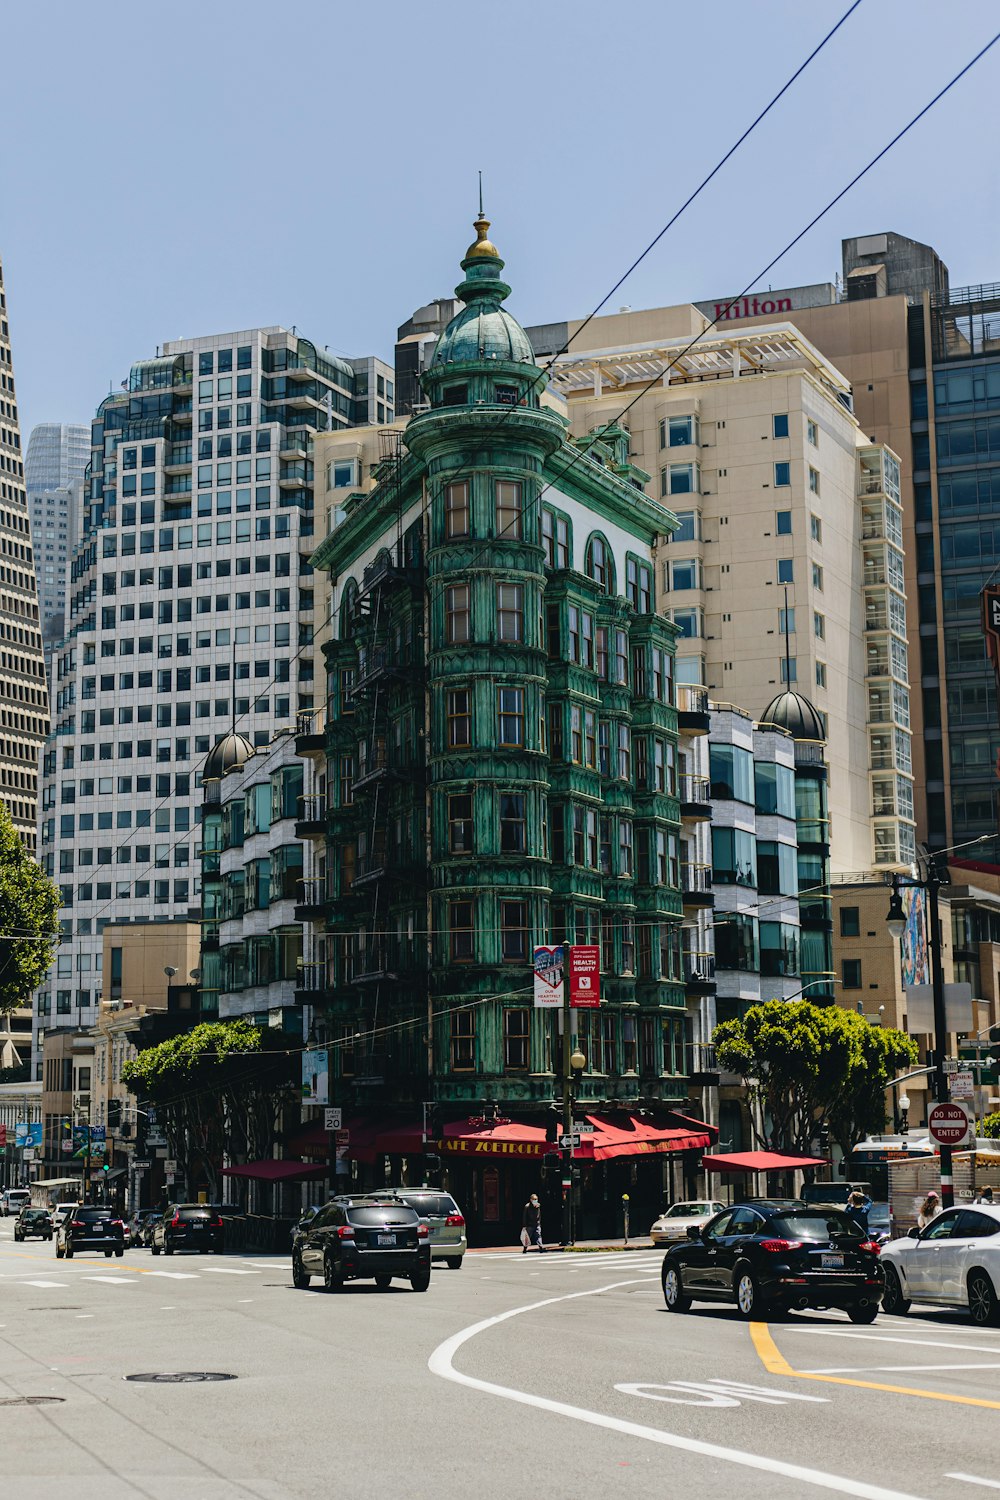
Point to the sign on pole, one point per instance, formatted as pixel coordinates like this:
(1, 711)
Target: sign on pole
(962, 1085)
(316, 1076)
(548, 966)
(948, 1124)
(333, 1119)
(584, 977)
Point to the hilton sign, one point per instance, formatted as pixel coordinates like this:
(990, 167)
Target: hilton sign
(769, 304)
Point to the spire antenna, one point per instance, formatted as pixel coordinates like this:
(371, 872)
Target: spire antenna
(480, 195)
(788, 653)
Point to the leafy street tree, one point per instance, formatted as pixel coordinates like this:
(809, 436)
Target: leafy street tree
(990, 1126)
(218, 1090)
(29, 905)
(804, 1064)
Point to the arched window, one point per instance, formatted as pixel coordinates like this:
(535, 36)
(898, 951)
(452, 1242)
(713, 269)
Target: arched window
(347, 603)
(600, 564)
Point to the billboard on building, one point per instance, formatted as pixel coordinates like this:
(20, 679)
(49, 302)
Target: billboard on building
(547, 962)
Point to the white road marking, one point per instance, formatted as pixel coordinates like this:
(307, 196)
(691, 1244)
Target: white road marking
(176, 1275)
(46, 1283)
(884, 1338)
(117, 1280)
(268, 1265)
(892, 1369)
(85, 1315)
(716, 1393)
(230, 1270)
(989, 1484)
(440, 1363)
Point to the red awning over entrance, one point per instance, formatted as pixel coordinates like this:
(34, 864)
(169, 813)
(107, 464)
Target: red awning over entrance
(630, 1135)
(512, 1141)
(760, 1161)
(276, 1171)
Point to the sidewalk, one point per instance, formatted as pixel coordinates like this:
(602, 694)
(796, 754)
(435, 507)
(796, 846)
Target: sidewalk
(581, 1247)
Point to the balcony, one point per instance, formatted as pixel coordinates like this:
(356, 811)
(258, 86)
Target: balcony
(310, 984)
(696, 884)
(310, 733)
(310, 898)
(698, 970)
(694, 794)
(692, 708)
(375, 666)
(310, 816)
(703, 1067)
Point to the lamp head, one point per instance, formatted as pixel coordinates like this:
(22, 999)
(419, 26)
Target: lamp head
(170, 972)
(904, 1103)
(895, 917)
(578, 1061)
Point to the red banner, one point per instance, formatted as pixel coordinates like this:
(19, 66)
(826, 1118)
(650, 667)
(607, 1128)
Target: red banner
(584, 977)
(3, 1135)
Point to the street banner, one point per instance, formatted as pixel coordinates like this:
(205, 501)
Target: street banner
(28, 1135)
(548, 967)
(584, 977)
(316, 1076)
(3, 1135)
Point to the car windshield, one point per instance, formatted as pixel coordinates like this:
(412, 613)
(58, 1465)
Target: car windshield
(432, 1205)
(815, 1226)
(93, 1213)
(35, 1213)
(389, 1213)
(687, 1210)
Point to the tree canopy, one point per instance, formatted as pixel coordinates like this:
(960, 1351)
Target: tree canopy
(218, 1090)
(990, 1126)
(29, 905)
(805, 1064)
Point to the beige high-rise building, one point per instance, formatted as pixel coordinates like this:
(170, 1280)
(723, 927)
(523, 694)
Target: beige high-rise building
(24, 700)
(787, 568)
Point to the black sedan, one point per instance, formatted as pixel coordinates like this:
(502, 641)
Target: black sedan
(90, 1228)
(33, 1223)
(188, 1226)
(768, 1259)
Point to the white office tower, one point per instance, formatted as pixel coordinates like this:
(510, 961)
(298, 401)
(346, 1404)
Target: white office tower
(54, 466)
(190, 608)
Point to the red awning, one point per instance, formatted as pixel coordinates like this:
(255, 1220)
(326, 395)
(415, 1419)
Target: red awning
(276, 1171)
(512, 1140)
(630, 1135)
(760, 1161)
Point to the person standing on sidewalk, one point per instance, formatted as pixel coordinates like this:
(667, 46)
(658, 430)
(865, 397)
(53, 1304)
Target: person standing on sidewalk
(531, 1225)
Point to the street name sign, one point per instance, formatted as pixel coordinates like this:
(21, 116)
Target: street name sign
(948, 1124)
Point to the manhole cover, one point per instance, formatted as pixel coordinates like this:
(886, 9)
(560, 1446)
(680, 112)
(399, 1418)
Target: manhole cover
(29, 1400)
(181, 1377)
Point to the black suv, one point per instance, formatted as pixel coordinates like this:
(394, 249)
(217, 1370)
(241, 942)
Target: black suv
(768, 1258)
(33, 1222)
(188, 1226)
(352, 1239)
(90, 1228)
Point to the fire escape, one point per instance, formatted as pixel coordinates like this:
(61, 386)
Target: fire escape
(390, 872)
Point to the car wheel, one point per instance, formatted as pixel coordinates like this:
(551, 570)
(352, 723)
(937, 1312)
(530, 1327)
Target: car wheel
(863, 1314)
(420, 1280)
(108, 1254)
(893, 1301)
(333, 1280)
(59, 1254)
(168, 1248)
(68, 1252)
(120, 1253)
(673, 1291)
(155, 1249)
(453, 1262)
(16, 1238)
(300, 1276)
(383, 1283)
(983, 1305)
(747, 1293)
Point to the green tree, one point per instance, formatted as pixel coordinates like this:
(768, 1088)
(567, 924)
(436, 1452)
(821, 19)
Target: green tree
(29, 904)
(990, 1126)
(802, 1064)
(218, 1090)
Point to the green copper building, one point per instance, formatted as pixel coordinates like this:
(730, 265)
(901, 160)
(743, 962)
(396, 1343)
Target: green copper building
(501, 749)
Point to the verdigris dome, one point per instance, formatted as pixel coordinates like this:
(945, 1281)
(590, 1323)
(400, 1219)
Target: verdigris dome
(795, 714)
(231, 753)
(483, 330)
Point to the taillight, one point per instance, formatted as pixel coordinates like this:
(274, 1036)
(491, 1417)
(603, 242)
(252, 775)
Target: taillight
(119, 1222)
(455, 1220)
(870, 1245)
(78, 1224)
(215, 1223)
(176, 1221)
(778, 1247)
(422, 1231)
(345, 1231)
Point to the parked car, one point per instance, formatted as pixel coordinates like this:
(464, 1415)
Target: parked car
(769, 1259)
(33, 1224)
(137, 1222)
(188, 1226)
(146, 1228)
(443, 1217)
(12, 1200)
(954, 1262)
(674, 1223)
(90, 1227)
(352, 1239)
(306, 1219)
(62, 1211)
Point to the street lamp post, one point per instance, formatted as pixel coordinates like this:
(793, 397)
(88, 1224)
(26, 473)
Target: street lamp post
(896, 922)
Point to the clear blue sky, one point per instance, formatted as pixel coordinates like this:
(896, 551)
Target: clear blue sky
(201, 167)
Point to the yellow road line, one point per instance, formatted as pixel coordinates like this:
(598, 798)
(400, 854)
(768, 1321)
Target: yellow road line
(776, 1364)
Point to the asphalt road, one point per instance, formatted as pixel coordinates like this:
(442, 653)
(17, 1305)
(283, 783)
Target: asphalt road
(544, 1376)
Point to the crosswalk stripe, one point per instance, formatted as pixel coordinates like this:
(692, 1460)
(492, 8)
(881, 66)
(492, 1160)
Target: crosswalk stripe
(46, 1283)
(230, 1271)
(175, 1275)
(116, 1280)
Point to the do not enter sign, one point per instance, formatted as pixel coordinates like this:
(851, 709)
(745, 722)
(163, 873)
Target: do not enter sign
(948, 1124)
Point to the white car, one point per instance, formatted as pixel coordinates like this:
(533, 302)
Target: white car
(673, 1224)
(954, 1262)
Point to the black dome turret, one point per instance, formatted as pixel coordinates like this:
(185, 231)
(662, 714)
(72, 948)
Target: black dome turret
(231, 753)
(796, 715)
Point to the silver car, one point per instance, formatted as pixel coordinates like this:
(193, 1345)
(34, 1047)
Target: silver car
(673, 1224)
(444, 1219)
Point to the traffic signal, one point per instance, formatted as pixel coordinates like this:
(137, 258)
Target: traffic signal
(114, 1114)
(435, 1122)
(432, 1163)
(106, 1167)
(552, 1125)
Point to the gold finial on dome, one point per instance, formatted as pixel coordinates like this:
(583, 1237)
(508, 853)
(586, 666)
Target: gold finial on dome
(482, 246)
